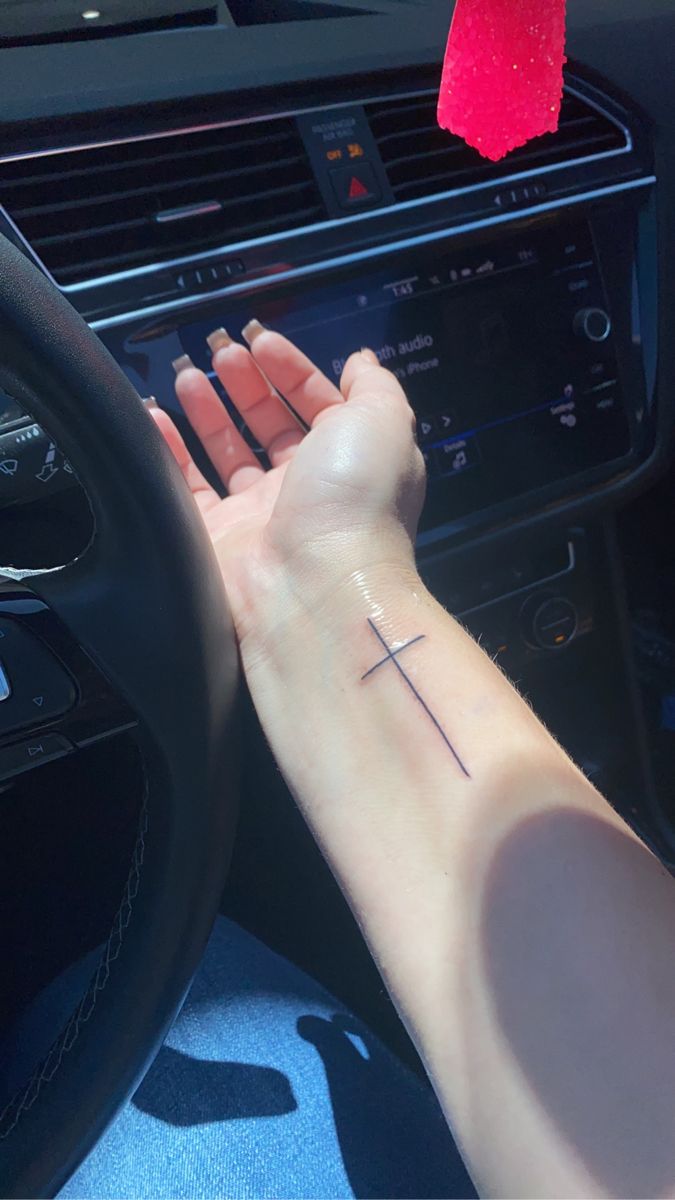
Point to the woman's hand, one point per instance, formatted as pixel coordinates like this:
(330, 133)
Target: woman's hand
(345, 494)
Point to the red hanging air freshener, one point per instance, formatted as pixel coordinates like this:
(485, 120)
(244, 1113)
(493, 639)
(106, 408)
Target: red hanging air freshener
(503, 72)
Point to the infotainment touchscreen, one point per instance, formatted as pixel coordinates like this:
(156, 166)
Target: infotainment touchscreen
(505, 351)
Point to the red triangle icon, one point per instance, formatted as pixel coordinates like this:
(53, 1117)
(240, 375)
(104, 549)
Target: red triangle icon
(357, 190)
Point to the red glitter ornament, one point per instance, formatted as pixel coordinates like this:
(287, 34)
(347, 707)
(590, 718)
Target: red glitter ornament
(503, 73)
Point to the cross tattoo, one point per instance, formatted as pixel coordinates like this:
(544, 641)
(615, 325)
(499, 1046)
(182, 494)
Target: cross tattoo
(391, 654)
(392, 657)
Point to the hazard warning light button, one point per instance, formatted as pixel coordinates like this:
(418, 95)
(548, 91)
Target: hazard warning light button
(356, 186)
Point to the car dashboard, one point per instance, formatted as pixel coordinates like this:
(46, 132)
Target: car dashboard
(288, 167)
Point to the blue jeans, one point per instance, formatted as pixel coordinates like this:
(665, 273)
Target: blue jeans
(266, 1087)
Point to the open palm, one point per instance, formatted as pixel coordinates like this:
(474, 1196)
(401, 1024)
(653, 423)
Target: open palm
(344, 466)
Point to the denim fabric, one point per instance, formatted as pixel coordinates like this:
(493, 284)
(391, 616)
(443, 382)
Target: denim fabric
(266, 1087)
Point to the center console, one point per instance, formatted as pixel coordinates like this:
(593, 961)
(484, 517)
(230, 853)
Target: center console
(522, 355)
(509, 349)
(515, 302)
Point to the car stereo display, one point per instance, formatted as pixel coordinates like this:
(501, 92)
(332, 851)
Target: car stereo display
(506, 354)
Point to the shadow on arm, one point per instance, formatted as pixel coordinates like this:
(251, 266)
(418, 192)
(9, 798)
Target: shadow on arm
(578, 930)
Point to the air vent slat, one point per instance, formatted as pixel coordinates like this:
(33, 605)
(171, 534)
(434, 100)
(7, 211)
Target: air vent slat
(138, 152)
(260, 198)
(95, 210)
(433, 135)
(541, 152)
(106, 265)
(195, 186)
(422, 160)
(41, 243)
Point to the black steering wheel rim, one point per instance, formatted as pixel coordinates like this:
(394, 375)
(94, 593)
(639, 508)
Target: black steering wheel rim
(145, 601)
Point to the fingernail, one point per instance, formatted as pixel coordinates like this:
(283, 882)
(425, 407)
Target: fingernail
(251, 331)
(218, 339)
(370, 356)
(150, 401)
(182, 363)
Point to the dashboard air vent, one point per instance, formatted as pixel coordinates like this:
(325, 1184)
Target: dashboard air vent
(97, 211)
(422, 159)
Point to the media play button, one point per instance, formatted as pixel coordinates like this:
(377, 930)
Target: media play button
(356, 186)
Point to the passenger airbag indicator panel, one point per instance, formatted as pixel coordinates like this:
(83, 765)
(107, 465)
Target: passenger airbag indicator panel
(346, 161)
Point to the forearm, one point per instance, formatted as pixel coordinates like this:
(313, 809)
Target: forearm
(475, 857)
(524, 932)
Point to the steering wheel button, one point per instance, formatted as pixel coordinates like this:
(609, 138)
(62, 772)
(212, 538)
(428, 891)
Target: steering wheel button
(5, 689)
(30, 464)
(32, 753)
(41, 688)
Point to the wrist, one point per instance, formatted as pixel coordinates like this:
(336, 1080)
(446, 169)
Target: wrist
(317, 628)
(318, 592)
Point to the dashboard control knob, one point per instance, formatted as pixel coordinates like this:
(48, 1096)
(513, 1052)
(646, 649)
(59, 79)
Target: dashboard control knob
(594, 324)
(553, 623)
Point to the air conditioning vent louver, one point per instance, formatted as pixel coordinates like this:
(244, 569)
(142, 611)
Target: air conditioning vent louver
(422, 159)
(98, 211)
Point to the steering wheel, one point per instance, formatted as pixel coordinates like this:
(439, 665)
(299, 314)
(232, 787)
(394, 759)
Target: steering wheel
(139, 629)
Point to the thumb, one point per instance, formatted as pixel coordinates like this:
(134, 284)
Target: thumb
(365, 382)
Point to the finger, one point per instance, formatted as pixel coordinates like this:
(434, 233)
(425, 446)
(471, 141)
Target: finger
(268, 418)
(378, 393)
(202, 491)
(234, 461)
(292, 373)
(365, 381)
